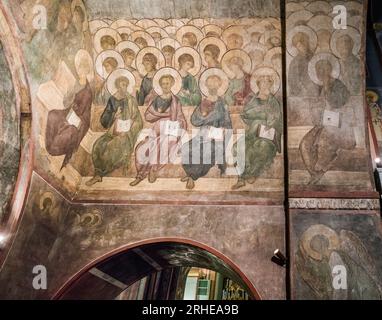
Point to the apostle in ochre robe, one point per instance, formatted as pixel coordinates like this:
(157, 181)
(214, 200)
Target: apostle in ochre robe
(66, 128)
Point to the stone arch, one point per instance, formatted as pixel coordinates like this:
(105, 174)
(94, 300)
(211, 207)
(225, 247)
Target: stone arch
(80, 280)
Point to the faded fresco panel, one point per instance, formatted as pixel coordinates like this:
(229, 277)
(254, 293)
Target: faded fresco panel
(159, 104)
(9, 135)
(325, 242)
(65, 238)
(328, 145)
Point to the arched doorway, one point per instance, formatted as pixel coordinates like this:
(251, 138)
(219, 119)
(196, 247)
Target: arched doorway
(158, 268)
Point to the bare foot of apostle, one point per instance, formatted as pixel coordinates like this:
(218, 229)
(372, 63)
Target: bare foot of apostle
(93, 181)
(136, 181)
(152, 176)
(251, 180)
(190, 184)
(184, 179)
(239, 184)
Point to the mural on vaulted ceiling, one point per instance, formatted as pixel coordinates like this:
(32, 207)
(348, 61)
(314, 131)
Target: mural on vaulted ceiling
(158, 103)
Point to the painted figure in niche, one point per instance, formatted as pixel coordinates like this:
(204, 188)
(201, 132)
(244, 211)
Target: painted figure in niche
(188, 63)
(321, 249)
(148, 61)
(122, 119)
(333, 130)
(212, 117)
(346, 45)
(165, 113)
(262, 115)
(106, 62)
(237, 65)
(302, 42)
(66, 128)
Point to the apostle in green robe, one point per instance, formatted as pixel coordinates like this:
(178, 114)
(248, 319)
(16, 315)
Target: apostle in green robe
(190, 94)
(263, 118)
(122, 119)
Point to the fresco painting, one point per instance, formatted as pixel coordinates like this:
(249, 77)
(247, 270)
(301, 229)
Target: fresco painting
(105, 112)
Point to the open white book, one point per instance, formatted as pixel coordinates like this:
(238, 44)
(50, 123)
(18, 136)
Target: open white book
(267, 133)
(216, 134)
(331, 119)
(123, 126)
(73, 119)
(171, 128)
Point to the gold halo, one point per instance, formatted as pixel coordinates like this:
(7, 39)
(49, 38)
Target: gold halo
(311, 232)
(352, 33)
(47, 195)
(80, 3)
(144, 35)
(269, 55)
(82, 55)
(128, 45)
(156, 52)
(303, 29)
(336, 67)
(167, 71)
(240, 30)
(188, 28)
(215, 41)
(159, 30)
(105, 32)
(97, 24)
(321, 22)
(146, 23)
(110, 82)
(122, 23)
(247, 67)
(101, 58)
(213, 72)
(126, 30)
(265, 71)
(212, 28)
(168, 42)
(298, 18)
(373, 95)
(161, 22)
(322, 7)
(195, 54)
